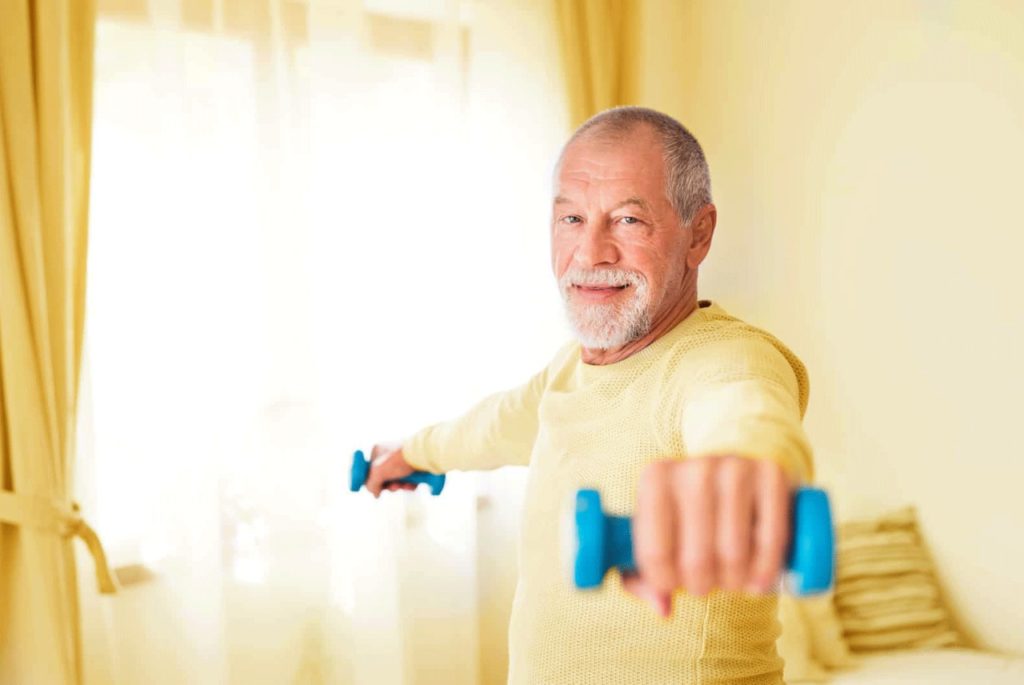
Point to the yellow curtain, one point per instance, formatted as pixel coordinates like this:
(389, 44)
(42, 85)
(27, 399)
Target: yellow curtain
(46, 49)
(593, 36)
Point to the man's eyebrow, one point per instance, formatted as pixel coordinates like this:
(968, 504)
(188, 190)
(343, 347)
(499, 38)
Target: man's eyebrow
(562, 200)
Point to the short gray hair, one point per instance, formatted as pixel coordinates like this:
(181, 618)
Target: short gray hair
(688, 181)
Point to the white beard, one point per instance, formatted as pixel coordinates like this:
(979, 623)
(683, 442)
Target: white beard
(600, 325)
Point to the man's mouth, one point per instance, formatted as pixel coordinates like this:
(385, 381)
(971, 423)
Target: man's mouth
(600, 288)
(598, 293)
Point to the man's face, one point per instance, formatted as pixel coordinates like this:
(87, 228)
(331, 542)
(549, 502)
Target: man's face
(618, 248)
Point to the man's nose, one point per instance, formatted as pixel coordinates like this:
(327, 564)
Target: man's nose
(596, 247)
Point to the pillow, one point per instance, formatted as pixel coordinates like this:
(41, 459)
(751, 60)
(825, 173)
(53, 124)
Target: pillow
(886, 592)
(794, 645)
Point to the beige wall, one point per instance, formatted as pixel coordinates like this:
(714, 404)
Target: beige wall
(868, 165)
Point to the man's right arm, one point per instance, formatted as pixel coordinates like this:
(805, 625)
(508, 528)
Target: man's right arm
(500, 430)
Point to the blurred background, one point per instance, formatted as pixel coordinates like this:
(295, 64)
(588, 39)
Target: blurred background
(314, 225)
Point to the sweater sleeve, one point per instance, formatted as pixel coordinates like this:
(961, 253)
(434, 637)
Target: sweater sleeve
(499, 431)
(747, 403)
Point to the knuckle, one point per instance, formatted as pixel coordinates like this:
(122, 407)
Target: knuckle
(764, 579)
(765, 571)
(732, 558)
(664, 581)
(660, 578)
(697, 565)
(697, 473)
(655, 473)
(735, 470)
(700, 467)
(771, 472)
(653, 559)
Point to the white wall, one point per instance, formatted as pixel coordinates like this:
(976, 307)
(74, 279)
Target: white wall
(867, 164)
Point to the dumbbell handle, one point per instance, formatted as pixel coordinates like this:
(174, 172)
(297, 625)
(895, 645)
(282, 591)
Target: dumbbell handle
(605, 542)
(361, 471)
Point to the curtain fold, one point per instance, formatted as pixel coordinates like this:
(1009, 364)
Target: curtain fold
(593, 35)
(46, 49)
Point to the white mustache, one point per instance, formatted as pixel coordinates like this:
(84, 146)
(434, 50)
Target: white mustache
(612, 277)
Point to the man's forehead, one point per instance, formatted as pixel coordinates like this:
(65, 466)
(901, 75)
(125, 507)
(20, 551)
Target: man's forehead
(626, 159)
(633, 200)
(622, 180)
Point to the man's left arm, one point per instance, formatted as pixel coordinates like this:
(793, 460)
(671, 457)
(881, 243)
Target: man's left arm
(720, 517)
(750, 416)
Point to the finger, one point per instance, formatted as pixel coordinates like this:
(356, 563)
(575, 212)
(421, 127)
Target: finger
(735, 518)
(695, 506)
(654, 528)
(380, 471)
(395, 485)
(771, 526)
(661, 602)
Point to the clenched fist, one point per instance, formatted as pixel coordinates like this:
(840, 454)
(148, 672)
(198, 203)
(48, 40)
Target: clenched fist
(387, 465)
(716, 522)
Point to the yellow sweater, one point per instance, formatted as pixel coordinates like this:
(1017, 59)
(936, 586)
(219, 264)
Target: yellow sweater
(713, 385)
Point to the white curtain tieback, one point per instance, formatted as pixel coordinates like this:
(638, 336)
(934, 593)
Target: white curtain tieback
(61, 518)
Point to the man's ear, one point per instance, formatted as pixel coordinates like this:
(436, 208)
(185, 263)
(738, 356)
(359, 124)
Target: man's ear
(702, 228)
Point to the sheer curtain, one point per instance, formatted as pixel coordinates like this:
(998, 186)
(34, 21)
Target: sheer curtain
(315, 226)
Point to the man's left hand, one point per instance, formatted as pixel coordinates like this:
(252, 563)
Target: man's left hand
(701, 524)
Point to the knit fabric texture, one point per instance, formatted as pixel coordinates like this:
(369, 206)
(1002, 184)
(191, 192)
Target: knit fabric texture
(711, 386)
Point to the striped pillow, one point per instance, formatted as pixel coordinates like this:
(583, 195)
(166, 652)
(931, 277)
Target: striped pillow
(886, 592)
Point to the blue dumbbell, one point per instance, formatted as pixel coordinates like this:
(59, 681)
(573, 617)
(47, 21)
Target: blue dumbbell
(361, 470)
(604, 542)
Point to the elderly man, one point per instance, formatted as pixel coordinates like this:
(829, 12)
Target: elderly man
(677, 411)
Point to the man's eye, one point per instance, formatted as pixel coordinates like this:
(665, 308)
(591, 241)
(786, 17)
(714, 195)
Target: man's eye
(630, 220)
(571, 219)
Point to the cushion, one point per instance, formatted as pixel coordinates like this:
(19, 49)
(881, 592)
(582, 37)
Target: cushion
(886, 592)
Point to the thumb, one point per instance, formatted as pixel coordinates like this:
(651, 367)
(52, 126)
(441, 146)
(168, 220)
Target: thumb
(661, 602)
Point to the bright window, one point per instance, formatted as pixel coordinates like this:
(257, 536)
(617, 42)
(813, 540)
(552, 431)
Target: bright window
(313, 227)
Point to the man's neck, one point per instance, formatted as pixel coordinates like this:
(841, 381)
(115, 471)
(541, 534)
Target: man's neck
(665, 323)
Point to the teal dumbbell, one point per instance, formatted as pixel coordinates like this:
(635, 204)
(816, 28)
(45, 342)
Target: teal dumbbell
(361, 471)
(604, 542)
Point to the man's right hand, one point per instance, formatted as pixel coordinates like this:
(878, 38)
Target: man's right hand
(388, 464)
